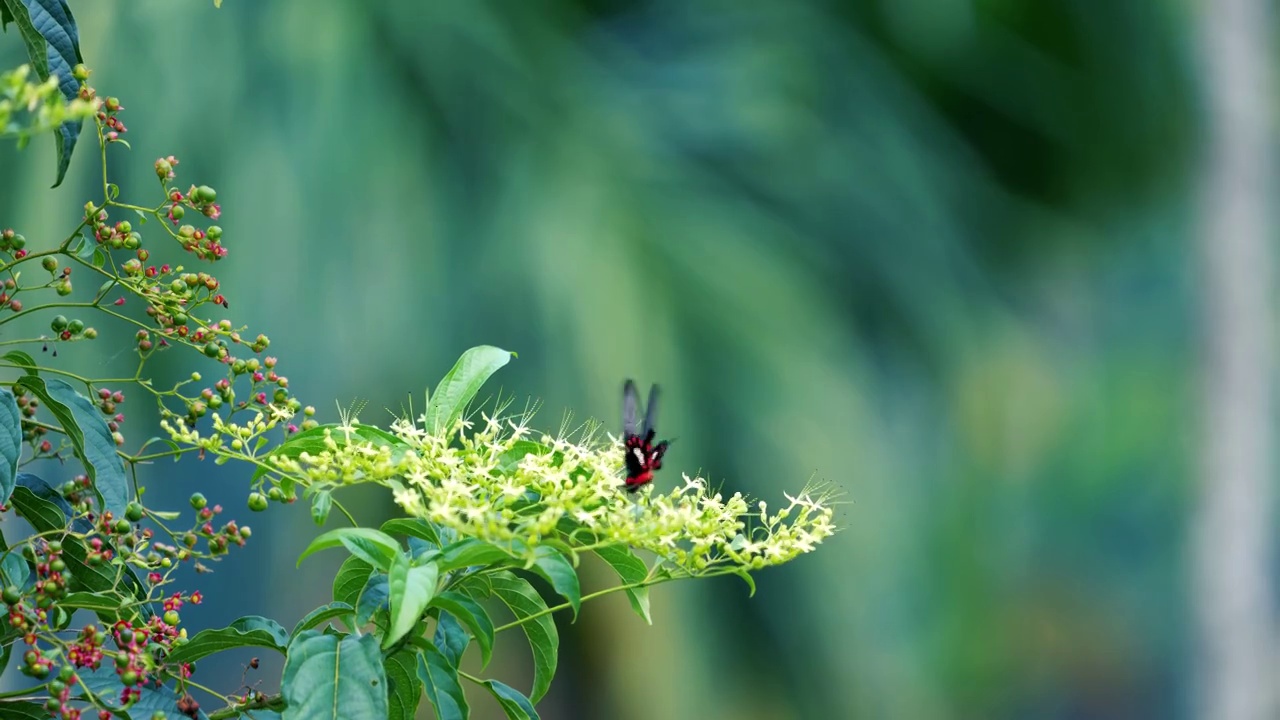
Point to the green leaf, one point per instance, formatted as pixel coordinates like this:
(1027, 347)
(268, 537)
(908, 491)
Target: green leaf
(53, 510)
(53, 44)
(91, 601)
(421, 551)
(476, 587)
(104, 683)
(374, 597)
(90, 438)
(327, 677)
(22, 710)
(471, 614)
(6, 651)
(555, 568)
(461, 384)
(405, 689)
(10, 443)
(14, 571)
(510, 459)
(544, 639)
(373, 546)
(412, 527)
(320, 506)
(440, 679)
(248, 631)
(19, 358)
(47, 512)
(513, 702)
(471, 551)
(321, 615)
(412, 587)
(451, 639)
(630, 569)
(350, 580)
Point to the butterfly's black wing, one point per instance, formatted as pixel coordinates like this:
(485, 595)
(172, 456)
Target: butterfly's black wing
(650, 413)
(630, 410)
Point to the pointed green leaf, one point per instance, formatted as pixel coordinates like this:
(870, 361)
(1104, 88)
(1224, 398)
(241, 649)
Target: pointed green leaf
(90, 438)
(510, 459)
(248, 631)
(513, 702)
(412, 527)
(105, 684)
(405, 689)
(556, 569)
(461, 384)
(374, 547)
(320, 506)
(19, 358)
(22, 710)
(14, 571)
(47, 512)
(321, 615)
(412, 588)
(327, 677)
(471, 551)
(440, 680)
(374, 598)
(350, 580)
(90, 601)
(10, 443)
(53, 44)
(632, 570)
(544, 639)
(471, 614)
(451, 639)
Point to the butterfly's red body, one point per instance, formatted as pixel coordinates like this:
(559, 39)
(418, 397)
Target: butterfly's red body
(643, 456)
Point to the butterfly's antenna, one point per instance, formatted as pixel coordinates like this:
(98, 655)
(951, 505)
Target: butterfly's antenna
(630, 400)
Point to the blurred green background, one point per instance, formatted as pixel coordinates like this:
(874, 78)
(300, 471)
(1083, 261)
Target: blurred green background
(934, 253)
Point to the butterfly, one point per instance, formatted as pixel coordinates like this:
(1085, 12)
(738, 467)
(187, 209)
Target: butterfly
(643, 457)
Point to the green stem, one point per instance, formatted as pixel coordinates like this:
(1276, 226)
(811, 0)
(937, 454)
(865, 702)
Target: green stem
(592, 596)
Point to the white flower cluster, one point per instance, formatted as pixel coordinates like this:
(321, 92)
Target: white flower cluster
(493, 483)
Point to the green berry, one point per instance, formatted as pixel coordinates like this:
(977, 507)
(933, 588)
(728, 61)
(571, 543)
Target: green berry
(76, 326)
(198, 501)
(12, 596)
(133, 511)
(257, 502)
(50, 264)
(58, 324)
